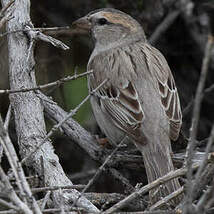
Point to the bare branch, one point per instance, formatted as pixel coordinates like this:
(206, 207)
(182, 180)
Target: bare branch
(52, 188)
(45, 200)
(5, 14)
(12, 195)
(57, 126)
(16, 167)
(4, 9)
(204, 161)
(195, 121)
(69, 210)
(204, 199)
(204, 180)
(81, 136)
(99, 171)
(5, 19)
(8, 205)
(143, 190)
(7, 119)
(40, 87)
(54, 29)
(165, 200)
(105, 200)
(37, 35)
(72, 129)
(28, 112)
(164, 25)
(209, 89)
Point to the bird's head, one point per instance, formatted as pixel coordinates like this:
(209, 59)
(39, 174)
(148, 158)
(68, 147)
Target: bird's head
(110, 27)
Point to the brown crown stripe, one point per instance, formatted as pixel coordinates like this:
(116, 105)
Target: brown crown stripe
(120, 19)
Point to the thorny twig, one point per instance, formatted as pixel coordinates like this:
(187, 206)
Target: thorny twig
(148, 187)
(57, 126)
(85, 139)
(195, 121)
(204, 161)
(36, 29)
(98, 172)
(40, 87)
(37, 35)
(17, 169)
(12, 195)
(167, 198)
(204, 199)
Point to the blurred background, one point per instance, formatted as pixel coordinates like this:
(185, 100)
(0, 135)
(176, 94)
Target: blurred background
(182, 44)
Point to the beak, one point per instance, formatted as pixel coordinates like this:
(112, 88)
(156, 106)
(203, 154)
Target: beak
(83, 25)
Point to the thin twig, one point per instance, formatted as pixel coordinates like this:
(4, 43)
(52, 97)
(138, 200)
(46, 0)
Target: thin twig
(12, 195)
(52, 188)
(55, 210)
(98, 172)
(204, 199)
(8, 117)
(205, 179)
(61, 205)
(148, 187)
(40, 87)
(164, 25)
(35, 29)
(5, 14)
(3, 10)
(57, 126)
(45, 200)
(204, 161)
(195, 121)
(5, 19)
(37, 35)
(76, 211)
(167, 199)
(81, 136)
(8, 212)
(209, 89)
(16, 167)
(6, 125)
(8, 205)
(188, 107)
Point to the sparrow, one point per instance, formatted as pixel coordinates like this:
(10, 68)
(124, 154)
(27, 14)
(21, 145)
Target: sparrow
(140, 99)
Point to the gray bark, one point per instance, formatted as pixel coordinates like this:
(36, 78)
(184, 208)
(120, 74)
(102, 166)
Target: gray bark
(28, 112)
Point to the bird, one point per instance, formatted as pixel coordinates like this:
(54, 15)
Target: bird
(139, 99)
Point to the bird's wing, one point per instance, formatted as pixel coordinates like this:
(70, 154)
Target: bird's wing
(120, 101)
(123, 107)
(166, 86)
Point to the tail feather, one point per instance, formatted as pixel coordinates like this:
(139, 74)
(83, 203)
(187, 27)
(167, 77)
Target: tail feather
(158, 162)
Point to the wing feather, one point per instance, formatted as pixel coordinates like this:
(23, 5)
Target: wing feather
(167, 89)
(124, 109)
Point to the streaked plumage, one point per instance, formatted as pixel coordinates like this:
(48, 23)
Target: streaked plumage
(140, 98)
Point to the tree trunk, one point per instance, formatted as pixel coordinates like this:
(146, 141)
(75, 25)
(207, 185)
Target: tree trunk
(28, 112)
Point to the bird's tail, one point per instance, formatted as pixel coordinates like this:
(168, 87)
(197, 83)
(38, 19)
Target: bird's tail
(158, 162)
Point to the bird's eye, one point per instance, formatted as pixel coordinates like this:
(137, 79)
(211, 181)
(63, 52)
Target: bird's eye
(102, 21)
